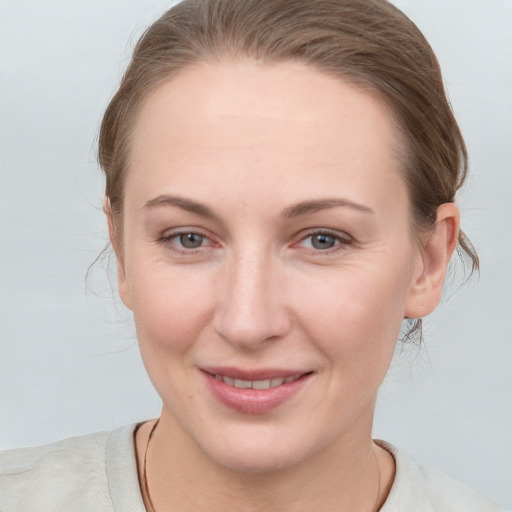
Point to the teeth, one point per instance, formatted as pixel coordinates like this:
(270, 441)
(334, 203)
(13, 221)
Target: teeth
(239, 383)
(261, 384)
(256, 384)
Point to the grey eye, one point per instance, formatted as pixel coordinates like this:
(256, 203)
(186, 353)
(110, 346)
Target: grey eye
(322, 241)
(191, 240)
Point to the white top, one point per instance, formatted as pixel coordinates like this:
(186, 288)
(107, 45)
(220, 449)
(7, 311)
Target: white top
(98, 472)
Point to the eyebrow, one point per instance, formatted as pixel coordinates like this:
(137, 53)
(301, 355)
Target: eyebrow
(313, 206)
(295, 210)
(185, 204)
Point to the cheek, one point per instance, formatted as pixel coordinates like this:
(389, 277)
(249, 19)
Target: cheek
(170, 311)
(170, 308)
(356, 317)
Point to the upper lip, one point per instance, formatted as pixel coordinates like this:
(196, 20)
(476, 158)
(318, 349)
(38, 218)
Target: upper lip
(254, 374)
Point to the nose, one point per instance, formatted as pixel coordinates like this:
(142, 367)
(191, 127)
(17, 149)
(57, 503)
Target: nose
(251, 308)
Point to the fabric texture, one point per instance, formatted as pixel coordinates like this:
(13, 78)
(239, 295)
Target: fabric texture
(98, 472)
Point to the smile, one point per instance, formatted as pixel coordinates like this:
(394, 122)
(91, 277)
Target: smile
(254, 392)
(256, 384)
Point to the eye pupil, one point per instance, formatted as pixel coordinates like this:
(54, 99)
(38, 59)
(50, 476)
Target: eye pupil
(323, 241)
(191, 240)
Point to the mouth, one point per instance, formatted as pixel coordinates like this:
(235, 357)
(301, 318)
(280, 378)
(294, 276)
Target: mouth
(256, 384)
(254, 392)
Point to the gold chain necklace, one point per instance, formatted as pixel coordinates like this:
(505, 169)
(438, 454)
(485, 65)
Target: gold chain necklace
(374, 509)
(145, 476)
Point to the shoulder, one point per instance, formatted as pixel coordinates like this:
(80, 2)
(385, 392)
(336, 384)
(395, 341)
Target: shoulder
(73, 474)
(53, 456)
(424, 489)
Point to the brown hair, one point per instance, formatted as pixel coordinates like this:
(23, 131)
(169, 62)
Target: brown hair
(369, 43)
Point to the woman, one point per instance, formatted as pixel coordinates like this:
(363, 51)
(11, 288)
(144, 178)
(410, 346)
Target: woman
(280, 197)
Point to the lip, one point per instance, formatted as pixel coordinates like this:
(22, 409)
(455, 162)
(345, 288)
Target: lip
(254, 401)
(259, 374)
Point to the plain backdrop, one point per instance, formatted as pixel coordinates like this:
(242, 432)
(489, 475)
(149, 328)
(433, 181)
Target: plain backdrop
(69, 362)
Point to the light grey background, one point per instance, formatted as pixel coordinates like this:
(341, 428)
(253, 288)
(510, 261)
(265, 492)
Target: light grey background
(69, 363)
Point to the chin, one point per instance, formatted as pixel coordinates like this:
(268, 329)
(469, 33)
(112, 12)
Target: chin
(262, 460)
(262, 450)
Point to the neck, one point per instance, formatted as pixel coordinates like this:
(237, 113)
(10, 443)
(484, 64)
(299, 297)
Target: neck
(347, 475)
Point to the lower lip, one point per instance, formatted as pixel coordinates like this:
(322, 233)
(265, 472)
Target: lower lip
(254, 401)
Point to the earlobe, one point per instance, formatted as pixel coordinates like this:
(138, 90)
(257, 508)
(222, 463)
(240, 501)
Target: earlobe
(114, 241)
(427, 285)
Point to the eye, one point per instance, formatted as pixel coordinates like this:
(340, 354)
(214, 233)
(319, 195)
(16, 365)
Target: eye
(324, 241)
(185, 242)
(189, 240)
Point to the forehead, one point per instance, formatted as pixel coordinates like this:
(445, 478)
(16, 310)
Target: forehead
(256, 124)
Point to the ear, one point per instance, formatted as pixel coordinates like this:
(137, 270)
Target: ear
(435, 254)
(118, 250)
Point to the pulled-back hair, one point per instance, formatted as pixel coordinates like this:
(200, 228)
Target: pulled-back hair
(369, 43)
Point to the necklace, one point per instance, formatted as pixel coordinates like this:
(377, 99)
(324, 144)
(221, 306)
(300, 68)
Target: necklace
(374, 509)
(145, 476)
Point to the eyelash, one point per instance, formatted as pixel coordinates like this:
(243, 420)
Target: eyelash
(341, 240)
(168, 240)
(172, 241)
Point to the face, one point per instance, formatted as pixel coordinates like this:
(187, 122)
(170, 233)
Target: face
(267, 258)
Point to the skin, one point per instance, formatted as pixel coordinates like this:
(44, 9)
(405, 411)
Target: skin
(249, 142)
